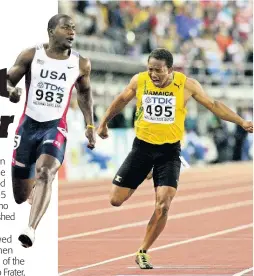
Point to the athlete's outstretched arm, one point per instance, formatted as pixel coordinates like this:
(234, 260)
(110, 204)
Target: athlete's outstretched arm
(218, 108)
(118, 105)
(85, 100)
(17, 71)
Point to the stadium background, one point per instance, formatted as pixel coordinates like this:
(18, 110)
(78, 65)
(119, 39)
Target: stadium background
(209, 231)
(210, 40)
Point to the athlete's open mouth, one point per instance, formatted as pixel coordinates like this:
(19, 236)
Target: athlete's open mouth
(155, 81)
(70, 39)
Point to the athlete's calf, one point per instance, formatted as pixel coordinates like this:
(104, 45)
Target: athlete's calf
(46, 169)
(164, 197)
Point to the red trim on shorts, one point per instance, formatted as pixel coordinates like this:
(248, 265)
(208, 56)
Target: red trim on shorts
(60, 138)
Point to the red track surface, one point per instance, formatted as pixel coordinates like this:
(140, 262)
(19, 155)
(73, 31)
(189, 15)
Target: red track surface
(209, 231)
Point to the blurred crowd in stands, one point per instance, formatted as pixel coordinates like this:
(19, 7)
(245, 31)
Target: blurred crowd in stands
(210, 32)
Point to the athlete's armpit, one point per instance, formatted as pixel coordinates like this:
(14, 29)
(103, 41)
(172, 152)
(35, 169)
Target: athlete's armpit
(21, 66)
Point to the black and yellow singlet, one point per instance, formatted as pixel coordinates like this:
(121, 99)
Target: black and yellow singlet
(160, 113)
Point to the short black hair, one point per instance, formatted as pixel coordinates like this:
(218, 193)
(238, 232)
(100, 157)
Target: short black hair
(162, 54)
(54, 20)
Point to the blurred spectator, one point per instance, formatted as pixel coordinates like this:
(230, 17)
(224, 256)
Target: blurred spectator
(220, 134)
(118, 121)
(241, 148)
(212, 55)
(193, 149)
(187, 26)
(248, 47)
(243, 21)
(223, 38)
(115, 16)
(75, 116)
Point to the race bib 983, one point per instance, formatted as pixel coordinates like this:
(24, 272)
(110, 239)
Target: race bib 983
(159, 109)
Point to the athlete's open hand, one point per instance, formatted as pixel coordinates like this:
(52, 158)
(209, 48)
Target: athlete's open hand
(90, 134)
(14, 94)
(102, 131)
(248, 126)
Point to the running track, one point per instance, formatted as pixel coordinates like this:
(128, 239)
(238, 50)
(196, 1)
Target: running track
(209, 231)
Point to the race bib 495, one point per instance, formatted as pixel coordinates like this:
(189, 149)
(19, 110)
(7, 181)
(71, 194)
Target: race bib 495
(159, 109)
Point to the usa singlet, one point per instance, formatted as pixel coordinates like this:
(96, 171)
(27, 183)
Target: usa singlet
(49, 85)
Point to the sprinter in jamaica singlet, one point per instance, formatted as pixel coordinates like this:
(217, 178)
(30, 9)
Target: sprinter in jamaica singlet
(161, 94)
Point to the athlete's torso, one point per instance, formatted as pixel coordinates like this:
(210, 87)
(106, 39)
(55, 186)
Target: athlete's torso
(49, 85)
(160, 112)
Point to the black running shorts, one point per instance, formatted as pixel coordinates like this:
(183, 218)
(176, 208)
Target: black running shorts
(164, 159)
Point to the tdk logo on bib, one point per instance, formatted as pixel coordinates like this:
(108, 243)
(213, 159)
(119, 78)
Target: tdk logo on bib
(159, 109)
(50, 86)
(160, 100)
(148, 100)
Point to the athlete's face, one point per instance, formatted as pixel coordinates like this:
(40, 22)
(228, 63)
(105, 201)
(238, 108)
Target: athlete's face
(64, 33)
(158, 71)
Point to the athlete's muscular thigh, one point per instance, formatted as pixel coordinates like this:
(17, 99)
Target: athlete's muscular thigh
(22, 189)
(119, 194)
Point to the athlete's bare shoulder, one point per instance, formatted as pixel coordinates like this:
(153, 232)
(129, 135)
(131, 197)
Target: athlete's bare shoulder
(21, 65)
(83, 81)
(135, 78)
(191, 85)
(26, 56)
(130, 90)
(84, 66)
(134, 82)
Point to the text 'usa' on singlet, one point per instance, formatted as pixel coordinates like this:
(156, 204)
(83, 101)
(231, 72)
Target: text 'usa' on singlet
(50, 87)
(160, 112)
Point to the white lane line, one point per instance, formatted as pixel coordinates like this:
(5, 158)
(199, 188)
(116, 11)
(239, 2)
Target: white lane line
(177, 216)
(151, 203)
(243, 272)
(186, 266)
(173, 274)
(214, 234)
(142, 192)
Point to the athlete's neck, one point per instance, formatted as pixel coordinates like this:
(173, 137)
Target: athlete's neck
(57, 50)
(168, 80)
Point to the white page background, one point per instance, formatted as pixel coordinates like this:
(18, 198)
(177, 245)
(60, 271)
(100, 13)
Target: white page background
(24, 24)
